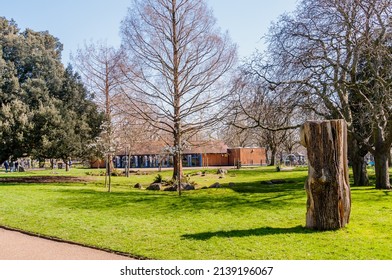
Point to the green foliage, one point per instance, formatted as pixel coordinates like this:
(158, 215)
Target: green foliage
(45, 110)
(247, 220)
(158, 178)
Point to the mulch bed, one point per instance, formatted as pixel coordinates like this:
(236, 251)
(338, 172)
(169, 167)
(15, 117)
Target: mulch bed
(42, 179)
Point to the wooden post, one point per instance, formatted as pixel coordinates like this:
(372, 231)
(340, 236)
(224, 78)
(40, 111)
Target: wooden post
(327, 186)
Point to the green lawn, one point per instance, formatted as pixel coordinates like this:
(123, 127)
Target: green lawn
(249, 220)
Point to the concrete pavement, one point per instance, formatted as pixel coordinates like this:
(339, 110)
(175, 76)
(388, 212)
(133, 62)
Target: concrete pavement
(19, 246)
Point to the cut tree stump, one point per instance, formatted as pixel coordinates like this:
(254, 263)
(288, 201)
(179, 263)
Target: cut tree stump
(327, 185)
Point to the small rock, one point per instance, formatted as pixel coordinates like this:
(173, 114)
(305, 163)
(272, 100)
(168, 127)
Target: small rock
(170, 189)
(154, 187)
(189, 187)
(215, 186)
(137, 186)
(221, 171)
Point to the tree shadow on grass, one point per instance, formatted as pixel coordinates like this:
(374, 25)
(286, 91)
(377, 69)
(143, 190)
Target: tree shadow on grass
(263, 231)
(164, 201)
(263, 187)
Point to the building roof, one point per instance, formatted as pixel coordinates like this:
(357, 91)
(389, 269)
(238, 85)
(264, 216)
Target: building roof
(207, 147)
(160, 147)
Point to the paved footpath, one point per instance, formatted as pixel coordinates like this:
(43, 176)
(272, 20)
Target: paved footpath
(18, 246)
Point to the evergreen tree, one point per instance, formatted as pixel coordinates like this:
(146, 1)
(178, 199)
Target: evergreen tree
(45, 111)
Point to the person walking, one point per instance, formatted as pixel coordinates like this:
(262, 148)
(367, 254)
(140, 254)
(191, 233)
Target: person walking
(6, 166)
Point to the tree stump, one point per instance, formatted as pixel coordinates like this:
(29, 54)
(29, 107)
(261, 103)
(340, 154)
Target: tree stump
(327, 185)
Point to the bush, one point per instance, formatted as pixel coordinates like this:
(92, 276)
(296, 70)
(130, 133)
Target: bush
(158, 179)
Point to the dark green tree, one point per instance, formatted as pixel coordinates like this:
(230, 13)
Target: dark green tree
(45, 111)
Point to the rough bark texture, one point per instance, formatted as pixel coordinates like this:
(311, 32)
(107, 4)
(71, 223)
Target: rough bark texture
(357, 158)
(327, 186)
(382, 171)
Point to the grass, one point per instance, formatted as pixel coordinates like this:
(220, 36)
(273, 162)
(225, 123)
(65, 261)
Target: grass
(249, 220)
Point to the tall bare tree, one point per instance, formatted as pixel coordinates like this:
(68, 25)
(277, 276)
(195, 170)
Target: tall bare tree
(100, 67)
(178, 60)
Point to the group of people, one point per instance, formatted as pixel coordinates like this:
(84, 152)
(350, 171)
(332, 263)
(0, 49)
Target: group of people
(16, 165)
(11, 166)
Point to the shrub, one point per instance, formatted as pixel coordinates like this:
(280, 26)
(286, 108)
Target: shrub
(158, 179)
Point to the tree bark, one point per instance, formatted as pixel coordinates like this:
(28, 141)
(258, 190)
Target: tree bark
(177, 163)
(382, 172)
(359, 165)
(66, 165)
(327, 186)
(108, 177)
(273, 156)
(382, 148)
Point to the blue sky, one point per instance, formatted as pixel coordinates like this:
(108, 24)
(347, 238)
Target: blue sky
(77, 21)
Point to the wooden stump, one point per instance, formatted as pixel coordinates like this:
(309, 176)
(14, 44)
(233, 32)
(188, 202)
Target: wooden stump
(327, 185)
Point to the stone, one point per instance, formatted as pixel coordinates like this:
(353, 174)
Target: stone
(221, 171)
(215, 186)
(189, 187)
(138, 186)
(170, 189)
(154, 187)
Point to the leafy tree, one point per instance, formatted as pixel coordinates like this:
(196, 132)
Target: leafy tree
(45, 109)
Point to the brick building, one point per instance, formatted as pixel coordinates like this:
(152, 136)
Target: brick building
(247, 156)
(200, 154)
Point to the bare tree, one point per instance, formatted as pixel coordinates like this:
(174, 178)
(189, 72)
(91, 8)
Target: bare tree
(178, 60)
(100, 67)
(131, 131)
(323, 51)
(257, 106)
(234, 136)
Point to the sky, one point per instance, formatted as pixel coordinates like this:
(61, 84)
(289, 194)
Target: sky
(75, 22)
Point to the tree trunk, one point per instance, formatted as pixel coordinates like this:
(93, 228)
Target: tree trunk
(382, 148)
(266, 155)
(108, 178)
(381, 169)
(273, 156)
(66, 165)
(177, 158)
(357, 159)
(360, 175)
(327, 186)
